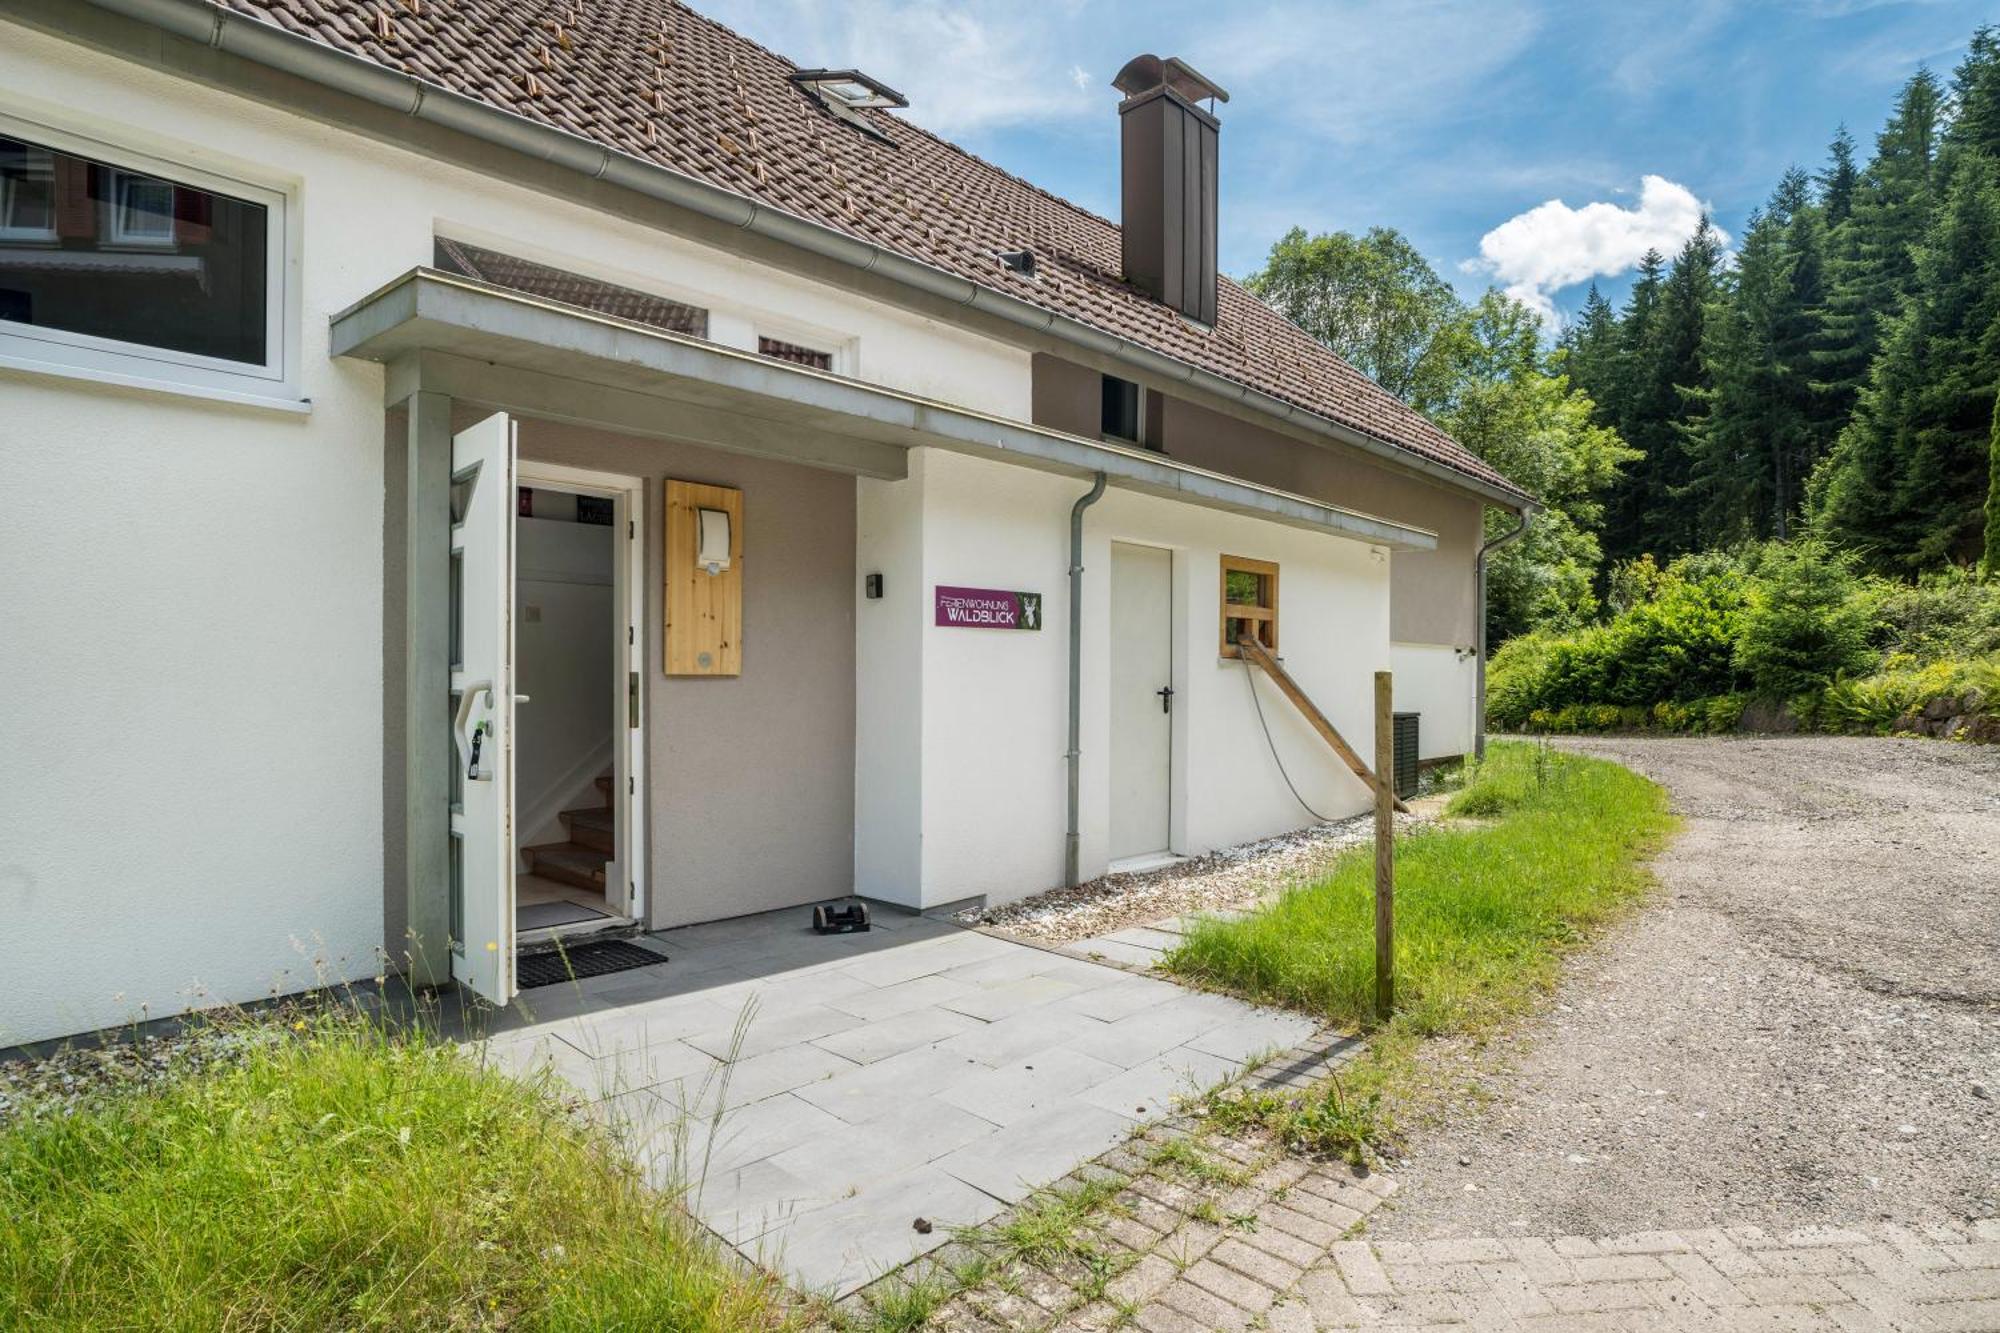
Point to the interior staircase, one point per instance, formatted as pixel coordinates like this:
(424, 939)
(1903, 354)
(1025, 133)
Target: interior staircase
(592, 842)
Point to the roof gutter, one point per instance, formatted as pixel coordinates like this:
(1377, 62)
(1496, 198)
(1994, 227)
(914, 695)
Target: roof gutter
(206, 24)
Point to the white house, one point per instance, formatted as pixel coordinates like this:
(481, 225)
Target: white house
(477, 469)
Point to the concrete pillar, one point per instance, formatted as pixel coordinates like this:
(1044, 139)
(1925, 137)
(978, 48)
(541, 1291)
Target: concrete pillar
(425, 484)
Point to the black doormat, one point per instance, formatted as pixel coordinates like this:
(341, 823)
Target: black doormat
(582, 960)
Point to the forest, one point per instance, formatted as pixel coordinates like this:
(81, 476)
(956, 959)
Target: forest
(1771, 477)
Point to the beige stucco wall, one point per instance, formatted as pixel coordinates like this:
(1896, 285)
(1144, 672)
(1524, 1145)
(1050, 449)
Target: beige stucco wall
(752, 778)
(1434, 595)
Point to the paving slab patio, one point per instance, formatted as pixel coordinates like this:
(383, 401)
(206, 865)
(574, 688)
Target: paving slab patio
(816, 1095)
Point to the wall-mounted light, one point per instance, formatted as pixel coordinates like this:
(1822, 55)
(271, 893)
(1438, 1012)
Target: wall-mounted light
(712, 548)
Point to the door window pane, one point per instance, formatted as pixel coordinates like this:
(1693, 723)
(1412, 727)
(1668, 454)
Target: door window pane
(89, 248)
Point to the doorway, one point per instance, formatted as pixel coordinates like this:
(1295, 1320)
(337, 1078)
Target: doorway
(555, 628)
(1142, 701)
(577, 650)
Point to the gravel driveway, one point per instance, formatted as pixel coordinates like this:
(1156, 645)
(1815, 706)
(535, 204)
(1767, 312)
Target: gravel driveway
(1803, 1027)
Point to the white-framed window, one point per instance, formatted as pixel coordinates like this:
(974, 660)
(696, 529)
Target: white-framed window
(27, 193)
(142, 209)
(122, 266)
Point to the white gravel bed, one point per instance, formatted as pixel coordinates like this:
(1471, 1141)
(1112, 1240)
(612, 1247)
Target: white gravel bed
(58, 1083)
(1229, 879)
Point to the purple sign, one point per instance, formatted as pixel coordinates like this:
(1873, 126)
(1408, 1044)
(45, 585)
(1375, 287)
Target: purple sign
(988, 608)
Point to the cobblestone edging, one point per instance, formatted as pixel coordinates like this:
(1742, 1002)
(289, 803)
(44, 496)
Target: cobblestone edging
(1198, 1230)
(1877, 1276)
(1165, 1234)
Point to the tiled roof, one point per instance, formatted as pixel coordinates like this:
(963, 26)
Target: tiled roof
(654, 79)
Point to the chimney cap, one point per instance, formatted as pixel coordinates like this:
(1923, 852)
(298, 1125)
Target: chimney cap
(1142, 74)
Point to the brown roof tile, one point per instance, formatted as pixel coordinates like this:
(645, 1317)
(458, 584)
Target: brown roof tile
(654, 79)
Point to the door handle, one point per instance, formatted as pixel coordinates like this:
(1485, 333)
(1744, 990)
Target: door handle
(1166, 693)
(469, 742)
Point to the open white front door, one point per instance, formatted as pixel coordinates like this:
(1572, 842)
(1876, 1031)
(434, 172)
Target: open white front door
(482, 689)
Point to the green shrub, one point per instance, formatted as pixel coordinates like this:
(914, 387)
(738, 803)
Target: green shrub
(1943, 615)
(1722, 713)
(1983, 680)
(1784, 621)
(1513, 678)
(1873, 703)
(1805, 626)
(1680, 645)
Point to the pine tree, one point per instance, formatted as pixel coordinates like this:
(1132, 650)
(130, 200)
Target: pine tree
(1991, 564)
(1744, 446)
(1906, 484)
(1663, 380)
(1975, 95)
(1872, 249)
(1836, 181)
(1589, 347)
(1798, 351)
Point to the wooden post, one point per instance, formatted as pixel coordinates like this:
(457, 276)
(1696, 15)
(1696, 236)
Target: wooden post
(1385, 847)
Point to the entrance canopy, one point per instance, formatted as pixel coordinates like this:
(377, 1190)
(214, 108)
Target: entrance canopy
(443, 334)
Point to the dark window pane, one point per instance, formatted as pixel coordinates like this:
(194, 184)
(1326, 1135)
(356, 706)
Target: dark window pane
(555, 284)
(96, 249)
(1121, 408)
(1244, 588)
(797, 355)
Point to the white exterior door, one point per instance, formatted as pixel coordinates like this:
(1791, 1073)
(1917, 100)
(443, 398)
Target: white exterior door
(1142, 698)
(482, 702)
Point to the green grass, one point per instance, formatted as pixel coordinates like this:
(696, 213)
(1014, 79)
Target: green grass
(333, 1177)
(1483, 914)
(1183, 1157)
(1052, 1227)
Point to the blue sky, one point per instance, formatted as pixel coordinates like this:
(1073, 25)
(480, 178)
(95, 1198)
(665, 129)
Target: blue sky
(1517, 142)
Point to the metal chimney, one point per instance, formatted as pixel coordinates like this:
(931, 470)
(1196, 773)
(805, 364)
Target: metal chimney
(1168, 146)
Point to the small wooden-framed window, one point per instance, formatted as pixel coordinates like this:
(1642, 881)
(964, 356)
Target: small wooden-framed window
(1249, 602)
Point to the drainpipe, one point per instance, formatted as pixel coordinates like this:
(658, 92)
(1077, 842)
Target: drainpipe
(1075, 754)
(1479, 719)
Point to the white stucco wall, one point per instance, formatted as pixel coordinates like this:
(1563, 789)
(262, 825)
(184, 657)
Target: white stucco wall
(1442, 683)
(994, 702)
(192, 600)
(888, 688)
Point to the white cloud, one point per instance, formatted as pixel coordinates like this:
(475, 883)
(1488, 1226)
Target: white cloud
(966, 67)
(1535, 254)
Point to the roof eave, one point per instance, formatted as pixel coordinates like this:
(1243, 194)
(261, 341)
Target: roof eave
(266, 44)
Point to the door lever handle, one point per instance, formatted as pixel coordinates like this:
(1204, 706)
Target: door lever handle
(469, 741)
(1166, 693)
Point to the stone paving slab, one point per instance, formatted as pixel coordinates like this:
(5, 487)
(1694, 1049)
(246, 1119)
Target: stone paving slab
(815, 1095)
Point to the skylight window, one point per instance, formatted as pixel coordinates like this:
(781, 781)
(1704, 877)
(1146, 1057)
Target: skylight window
(846, 93)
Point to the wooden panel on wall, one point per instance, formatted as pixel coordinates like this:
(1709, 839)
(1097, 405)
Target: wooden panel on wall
(704, 611)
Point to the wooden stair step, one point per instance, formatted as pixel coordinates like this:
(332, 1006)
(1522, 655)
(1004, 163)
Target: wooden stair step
(569, 863)
(593, 828)
(604, 786)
